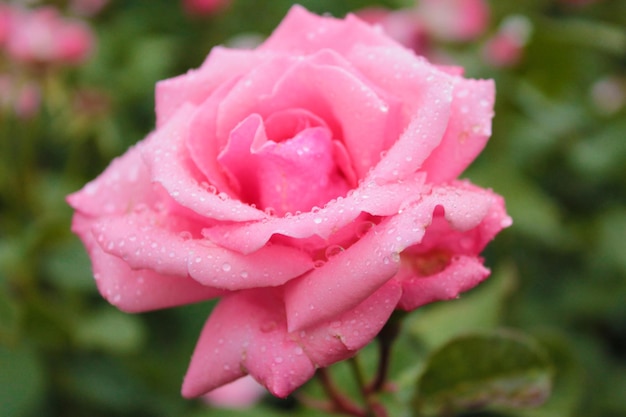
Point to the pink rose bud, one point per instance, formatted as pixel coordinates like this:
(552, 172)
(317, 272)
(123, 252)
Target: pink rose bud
(454, 20)
(311, 185)
(42, 36)
(239, 394)
(204, 7)
(506, 47)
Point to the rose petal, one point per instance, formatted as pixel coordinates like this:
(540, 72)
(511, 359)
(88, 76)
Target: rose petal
(137, 290)
(123, 185)
(426, 94)
(463, 273)
(302, 32)
(325, 85)
(242, 330)
(374, 259)
(142, 241)
(196, 85)
(345, 334)
(369, 197)
(292, 175)
(170, 165)
(468, 130)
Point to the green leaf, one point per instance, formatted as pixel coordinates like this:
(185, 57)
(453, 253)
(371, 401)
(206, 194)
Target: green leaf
(500, 370)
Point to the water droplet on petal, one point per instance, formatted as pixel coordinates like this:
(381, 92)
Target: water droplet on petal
(363, 228)
(185, 235)
(226, 267)
(333, 250)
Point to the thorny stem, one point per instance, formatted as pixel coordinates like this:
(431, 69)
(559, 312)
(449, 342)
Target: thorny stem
(339, 403)
(385, 338)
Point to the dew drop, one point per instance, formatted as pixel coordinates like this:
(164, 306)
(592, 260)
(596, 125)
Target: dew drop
(333, 250)
(185, 235)
(226, 267)
(319, 263)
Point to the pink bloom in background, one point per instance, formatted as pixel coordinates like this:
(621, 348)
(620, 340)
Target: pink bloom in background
(43, 36)
(6, 13)
(454, 20)
(87, 7)
(402, 25)
(204, 7)
(22, 98)
(506, 47)
(310, 184)
(239, 394)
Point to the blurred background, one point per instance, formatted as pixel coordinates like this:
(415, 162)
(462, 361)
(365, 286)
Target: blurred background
(76, 90)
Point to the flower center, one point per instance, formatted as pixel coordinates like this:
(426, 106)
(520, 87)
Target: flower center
(285, 164)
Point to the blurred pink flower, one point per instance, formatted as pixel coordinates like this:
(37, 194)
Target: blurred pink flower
(204, 7)
(23, 99)
(241, 393)
(506, 47)
(6, 13)
(43, 36)
(454, 20)
(403, 25)
(310, 184)
(87, 7)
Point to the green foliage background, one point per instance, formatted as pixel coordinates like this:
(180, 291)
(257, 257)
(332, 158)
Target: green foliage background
(557, 157)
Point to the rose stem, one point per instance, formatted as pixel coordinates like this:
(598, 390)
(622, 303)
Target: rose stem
(386, 337)
(341, 403)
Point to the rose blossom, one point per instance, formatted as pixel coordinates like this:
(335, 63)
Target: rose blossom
(311, 185)
(43, 36)
(454, 20)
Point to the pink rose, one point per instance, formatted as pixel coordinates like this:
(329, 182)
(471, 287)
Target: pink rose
(454, 20)
(311, 185)
(43, 36)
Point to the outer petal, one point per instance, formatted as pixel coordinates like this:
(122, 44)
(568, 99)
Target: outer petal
(467, 132)
(123, 185)
(137, 290)
(374, 259)
(463, 273)
(141, 240)
(426, 94)
(242, 332)
(195, 86)
(344, 335)
(302, 32)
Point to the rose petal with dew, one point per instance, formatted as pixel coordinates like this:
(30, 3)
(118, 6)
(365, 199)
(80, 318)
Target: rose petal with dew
(378, 200)
(468, 130)
(246, 334)
(141, 242)
(345, 334)
(292, 175)
(138, 290)
(124, 184)
(197, 85)
(301, 32)
(375, 258)
(169, 163)
(462, 274)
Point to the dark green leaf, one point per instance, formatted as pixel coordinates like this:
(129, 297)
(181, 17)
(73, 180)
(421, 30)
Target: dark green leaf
(478, 371)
